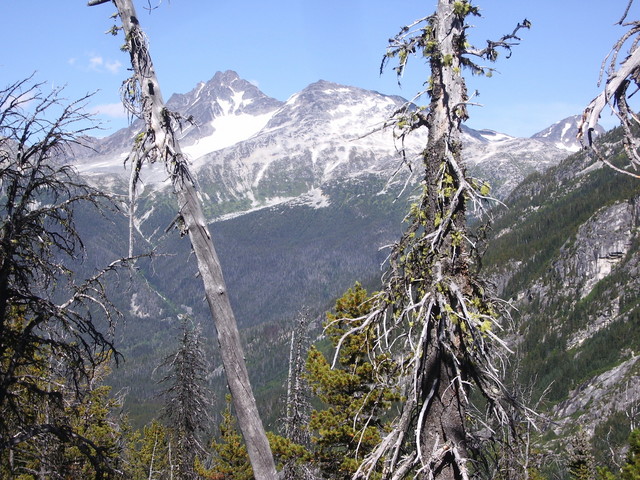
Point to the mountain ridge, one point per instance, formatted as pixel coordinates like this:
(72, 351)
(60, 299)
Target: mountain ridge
(246, 144)
(565, 253)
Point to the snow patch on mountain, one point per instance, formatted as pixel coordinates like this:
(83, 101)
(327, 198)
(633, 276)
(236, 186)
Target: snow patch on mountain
(316, 198)
(269, 203)
(227, 131)
(564, 134)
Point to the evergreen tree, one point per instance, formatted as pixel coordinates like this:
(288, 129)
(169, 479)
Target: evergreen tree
(51, 341)
(351, 421)
(631, 468)
(187, 399)
(230, 460)
(92, 434)
(581, 463)
(149, 455)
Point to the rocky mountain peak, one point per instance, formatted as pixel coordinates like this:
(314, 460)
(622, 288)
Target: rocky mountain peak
(564, 134)
(325, 102)
(224, 94)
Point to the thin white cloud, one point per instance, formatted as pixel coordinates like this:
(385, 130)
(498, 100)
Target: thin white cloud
(113, 66)
(96, 63)
(21, 102)
(113, 110)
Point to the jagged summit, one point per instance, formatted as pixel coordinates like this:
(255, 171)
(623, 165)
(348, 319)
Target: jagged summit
(225, 110)
(225, 93)
(328, 102)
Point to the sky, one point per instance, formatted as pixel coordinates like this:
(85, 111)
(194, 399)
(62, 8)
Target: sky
(284, 45)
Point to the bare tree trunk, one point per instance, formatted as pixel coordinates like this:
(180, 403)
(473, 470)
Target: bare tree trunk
(444, 419)
(159, 128)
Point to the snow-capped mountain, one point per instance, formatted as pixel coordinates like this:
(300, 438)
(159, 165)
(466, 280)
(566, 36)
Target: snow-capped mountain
(249, 150)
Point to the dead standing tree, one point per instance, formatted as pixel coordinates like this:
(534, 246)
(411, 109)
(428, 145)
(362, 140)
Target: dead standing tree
(616, 93)
(159, 142)
(432, 314)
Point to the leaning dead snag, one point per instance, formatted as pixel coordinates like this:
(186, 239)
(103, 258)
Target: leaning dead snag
(623, 80)
(433, 314)
(159, 143)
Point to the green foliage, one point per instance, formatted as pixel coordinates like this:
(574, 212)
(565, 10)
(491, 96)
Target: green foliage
(148, 454)
(293, 460)
(230, 459)
(543, 218)
(604, 473)
(54, 415)
(631, 468)
(548, 209)
(352, 418)
(464, 8)
(556, 317)
(87, 440)
(581, 463)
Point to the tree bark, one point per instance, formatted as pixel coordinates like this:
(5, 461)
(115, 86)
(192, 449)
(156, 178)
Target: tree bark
(444, 419)
(159, 127)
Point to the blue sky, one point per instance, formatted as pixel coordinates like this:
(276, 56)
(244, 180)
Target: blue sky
(284, 45)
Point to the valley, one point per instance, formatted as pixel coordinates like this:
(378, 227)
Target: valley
(300, 210)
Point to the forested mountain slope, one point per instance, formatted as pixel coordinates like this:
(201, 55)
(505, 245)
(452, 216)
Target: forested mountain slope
(565, 252)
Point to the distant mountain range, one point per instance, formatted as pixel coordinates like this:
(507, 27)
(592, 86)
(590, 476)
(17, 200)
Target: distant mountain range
(250, 151)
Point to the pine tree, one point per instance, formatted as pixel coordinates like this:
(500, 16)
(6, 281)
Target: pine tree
(149, 456)
(581, 463)
(92, 435)
(351, 421)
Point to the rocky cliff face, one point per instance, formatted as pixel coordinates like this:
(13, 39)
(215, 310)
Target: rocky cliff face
(592, 403)
(602, 248)
(600, 244)
(567, 254)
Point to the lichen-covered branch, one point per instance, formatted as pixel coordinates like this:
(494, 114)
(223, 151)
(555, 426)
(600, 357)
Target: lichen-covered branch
(434, 316)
